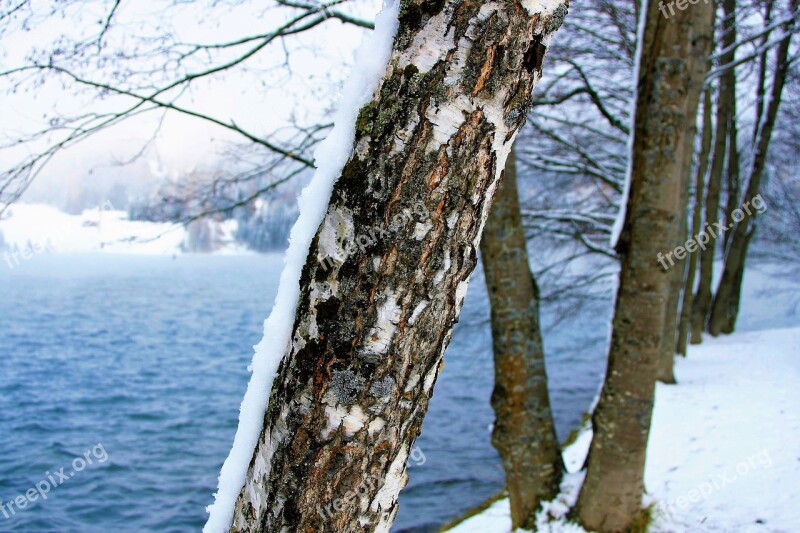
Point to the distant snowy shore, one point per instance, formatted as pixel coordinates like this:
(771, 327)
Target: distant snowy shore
(723, 452)
(30, 229)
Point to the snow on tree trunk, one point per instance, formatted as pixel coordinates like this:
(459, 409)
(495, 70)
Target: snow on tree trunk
(611, 495)
(387, 270)
(524, 432)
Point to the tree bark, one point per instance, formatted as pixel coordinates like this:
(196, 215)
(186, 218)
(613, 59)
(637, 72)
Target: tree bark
(725, 105)
(665, 372)
(698, 65)
(524, 432)
(611, 494)
(373, 320)
(729, 75)
(726, 301)
(729, 324)
(697, 221)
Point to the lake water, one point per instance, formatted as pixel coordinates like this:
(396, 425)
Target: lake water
(147, 357)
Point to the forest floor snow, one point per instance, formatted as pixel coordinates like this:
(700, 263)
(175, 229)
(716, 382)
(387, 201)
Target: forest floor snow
(724, 451)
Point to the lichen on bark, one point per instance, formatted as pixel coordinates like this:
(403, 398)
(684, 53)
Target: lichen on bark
(373, 320)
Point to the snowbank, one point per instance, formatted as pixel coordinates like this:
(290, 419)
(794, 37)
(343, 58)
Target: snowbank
(723, 452)
(37, 225)
(36, 228)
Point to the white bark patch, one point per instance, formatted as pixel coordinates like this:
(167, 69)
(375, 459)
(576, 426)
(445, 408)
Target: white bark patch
(255, 493)
(452, 219)
(362, 148)
(430, 45)
(453, 74)
(351, 421)
(299, 341)
(422, 229)
(417, 311)
(337, 229)
(386, 521)
(308, 329)
(430, 377)
(461, 292)
(260, 467)
(447, 119)
(412, 382)
(334, 414)
(313, 330)
(354, 421)
(543, 7)
(376, 426)
(380, 336)
(395, 480)
(402, 137)
(441, 273)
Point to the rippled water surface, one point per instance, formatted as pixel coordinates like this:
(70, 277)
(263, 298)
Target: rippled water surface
(147, 357)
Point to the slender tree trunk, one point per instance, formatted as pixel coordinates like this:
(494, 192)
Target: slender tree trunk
(372, 324)
(612, 491)
(726, 301)
(698, 65)
(733, 308)
(697, 221)
(761, 89)
(524, 433)
(732, 166)
(732, 175)
(725, 105)
(666, 360)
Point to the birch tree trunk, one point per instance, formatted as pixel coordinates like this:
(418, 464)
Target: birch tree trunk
(611, 494)
(726, 301)
(388, 269)
(524, 433)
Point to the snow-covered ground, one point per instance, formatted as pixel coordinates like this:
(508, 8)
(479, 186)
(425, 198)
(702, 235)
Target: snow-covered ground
(31, 229)
(724, 452)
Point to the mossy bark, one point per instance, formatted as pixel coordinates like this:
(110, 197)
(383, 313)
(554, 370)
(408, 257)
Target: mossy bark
(524, 432)
(373, 320)
(668, 83)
